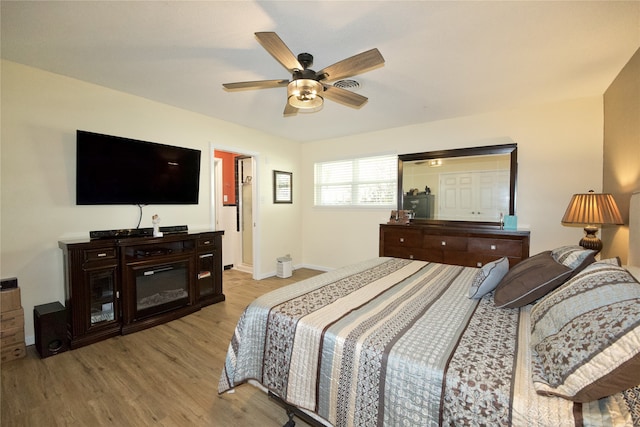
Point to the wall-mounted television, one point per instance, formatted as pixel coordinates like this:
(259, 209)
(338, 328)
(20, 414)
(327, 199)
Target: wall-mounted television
(112, 170)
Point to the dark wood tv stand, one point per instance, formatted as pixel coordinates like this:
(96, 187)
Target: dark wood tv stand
(119, 286)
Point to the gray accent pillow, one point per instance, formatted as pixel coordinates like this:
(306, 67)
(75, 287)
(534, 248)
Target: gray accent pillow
(488, 277)
(529, 280)
(575, 257)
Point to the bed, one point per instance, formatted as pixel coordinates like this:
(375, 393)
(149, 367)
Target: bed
(552, 341)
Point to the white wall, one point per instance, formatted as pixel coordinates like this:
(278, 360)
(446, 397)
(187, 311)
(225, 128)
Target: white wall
(559, 154)
(40, 114)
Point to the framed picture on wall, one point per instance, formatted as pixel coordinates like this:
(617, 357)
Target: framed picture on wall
(282, 187)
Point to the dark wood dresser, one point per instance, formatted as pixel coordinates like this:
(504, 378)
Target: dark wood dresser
(463, 245)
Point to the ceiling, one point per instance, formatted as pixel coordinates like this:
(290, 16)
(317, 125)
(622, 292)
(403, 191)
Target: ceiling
(443, 59)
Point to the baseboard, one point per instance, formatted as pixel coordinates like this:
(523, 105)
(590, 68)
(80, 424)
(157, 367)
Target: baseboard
(315, 267)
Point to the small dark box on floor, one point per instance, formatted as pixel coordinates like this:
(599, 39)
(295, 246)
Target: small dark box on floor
(50, 323)
(8, 283)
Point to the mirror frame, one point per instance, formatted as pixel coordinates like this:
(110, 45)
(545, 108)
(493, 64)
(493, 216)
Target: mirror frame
(511, 149)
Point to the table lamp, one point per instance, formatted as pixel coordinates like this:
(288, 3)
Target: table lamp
(592, 209)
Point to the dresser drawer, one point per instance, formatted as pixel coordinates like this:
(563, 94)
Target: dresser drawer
(445, 243)
(497, 247)
(100, 254)
(206, 243)
(402, 237)
(405, 252)
(459, 258)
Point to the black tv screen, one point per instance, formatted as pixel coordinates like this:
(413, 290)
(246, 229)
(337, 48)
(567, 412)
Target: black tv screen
(111, 170)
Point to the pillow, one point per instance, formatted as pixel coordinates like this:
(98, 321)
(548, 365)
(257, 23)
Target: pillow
(585, 335)
(529, 280)
(574, 257)
(488, 277)
(612, 261)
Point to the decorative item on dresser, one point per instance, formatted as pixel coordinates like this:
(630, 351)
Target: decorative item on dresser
(468, 246)
(117, 286)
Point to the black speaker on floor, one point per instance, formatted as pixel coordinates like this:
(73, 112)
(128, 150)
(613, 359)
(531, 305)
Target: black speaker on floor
(50, 324)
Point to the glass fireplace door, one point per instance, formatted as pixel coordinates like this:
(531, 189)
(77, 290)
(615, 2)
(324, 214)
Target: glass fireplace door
(161, 287)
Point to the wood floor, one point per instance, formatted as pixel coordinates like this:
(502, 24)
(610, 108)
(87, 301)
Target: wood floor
(163, 376)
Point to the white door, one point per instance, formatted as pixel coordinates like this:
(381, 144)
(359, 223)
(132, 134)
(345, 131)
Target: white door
(482, 194)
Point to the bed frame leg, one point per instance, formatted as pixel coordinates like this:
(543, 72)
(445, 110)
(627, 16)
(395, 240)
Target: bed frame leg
(292, 411)
(290, 423)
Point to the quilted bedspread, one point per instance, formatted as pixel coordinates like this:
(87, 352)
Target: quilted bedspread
(395, 342)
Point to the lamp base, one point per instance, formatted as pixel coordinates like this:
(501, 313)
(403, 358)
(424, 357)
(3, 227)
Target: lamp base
(591, 241)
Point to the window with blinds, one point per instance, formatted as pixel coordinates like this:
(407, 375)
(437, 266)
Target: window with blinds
(362, 182)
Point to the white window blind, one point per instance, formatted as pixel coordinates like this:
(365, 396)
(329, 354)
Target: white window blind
(368, 181)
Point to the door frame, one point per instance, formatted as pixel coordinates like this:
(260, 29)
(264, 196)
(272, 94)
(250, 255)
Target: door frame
(255, 208)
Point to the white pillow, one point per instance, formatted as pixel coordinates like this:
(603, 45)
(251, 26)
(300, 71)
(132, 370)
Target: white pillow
(488, 277)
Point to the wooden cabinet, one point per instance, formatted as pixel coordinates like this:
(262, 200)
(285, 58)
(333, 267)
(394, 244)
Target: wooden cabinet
(466, 246)
(209, 268)
(118, 286)
(92, 287)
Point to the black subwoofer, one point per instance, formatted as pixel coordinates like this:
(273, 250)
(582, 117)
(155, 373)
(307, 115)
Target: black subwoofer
(50, 324)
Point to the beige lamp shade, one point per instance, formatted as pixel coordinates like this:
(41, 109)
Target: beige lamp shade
(592, 209)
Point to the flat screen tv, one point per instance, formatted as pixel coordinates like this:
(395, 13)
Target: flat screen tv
(112, 170)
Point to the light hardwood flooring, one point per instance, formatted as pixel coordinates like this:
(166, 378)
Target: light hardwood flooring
(163, 376)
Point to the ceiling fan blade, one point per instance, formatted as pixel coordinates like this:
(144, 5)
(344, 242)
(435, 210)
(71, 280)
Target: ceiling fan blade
(351, 66)
(259, 84)
(276, 47)
(343, 96)
(290, 110)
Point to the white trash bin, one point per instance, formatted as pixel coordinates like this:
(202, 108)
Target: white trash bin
(284, 269)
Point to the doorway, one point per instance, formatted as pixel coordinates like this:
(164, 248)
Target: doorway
(234, 188)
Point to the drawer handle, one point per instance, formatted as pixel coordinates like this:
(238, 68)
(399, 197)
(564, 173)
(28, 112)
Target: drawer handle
(443, 243)
(493, 247)
(206, 256)
(410, 256)
(102, 254)
(478, 264)
(402, 240)
(207, 242)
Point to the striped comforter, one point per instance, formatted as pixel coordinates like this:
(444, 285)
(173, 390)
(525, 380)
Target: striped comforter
(396, 342)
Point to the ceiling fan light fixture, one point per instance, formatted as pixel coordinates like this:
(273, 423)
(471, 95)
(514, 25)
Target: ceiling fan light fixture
(305, 93)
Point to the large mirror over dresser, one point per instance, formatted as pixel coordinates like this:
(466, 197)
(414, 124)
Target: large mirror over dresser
(457, 200)
(469, 184)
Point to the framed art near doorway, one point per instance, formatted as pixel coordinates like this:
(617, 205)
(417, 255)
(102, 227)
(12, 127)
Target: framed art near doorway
(282, 187)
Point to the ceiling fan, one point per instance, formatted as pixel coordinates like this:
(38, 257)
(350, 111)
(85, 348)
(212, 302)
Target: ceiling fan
(307, 88)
